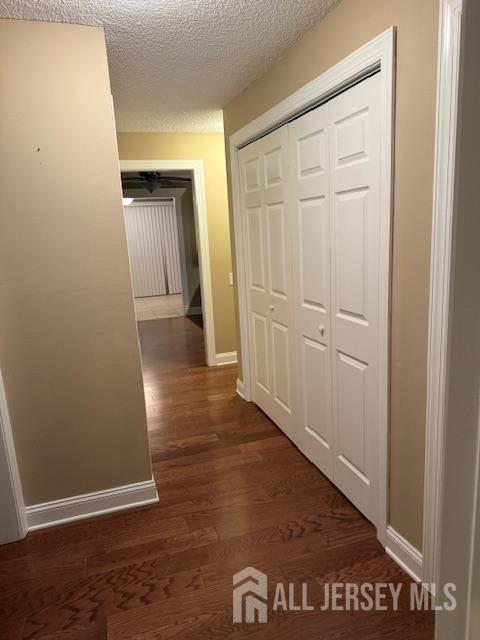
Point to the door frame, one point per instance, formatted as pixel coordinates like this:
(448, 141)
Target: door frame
(378, 53)
(14, 514)
(459, 515)
(440, 275)
(201, 231)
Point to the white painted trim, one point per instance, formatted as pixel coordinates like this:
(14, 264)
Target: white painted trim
(201, 230)
(229, 357)
(49, 514)
(17, 522)
(380, 50)
(441, 255)
(240, 389)
(404, 554)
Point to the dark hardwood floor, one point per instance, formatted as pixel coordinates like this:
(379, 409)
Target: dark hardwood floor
(233, 492)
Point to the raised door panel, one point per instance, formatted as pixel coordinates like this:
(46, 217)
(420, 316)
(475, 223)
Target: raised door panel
(313, 263)
(351, 257)
(316, 400)
(355, 214)
(274, 163)
(281, 366)
(252, 179)
(260, 351)
(276, 250)
(255, 255)
(351, 390)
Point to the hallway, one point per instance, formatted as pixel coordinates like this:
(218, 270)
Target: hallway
(233, 492)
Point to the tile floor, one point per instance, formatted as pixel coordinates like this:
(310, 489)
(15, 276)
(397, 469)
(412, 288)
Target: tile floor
(159, 307)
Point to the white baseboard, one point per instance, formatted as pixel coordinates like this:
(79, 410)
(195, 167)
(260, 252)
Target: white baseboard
(404, 554)
(99, 503)
(226, 358)
(192, 311)
(240, 388)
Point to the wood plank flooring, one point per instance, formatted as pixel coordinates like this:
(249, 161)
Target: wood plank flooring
(234, 492)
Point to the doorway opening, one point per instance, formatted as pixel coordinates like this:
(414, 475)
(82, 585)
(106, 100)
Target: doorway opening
(167, 236)
(162, 243)
(163, 253)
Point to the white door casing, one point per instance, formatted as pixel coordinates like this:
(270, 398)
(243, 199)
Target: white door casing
(448, 77)
(264, 177)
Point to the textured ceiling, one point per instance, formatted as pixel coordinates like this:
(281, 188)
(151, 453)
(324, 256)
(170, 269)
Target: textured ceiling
(175, 63)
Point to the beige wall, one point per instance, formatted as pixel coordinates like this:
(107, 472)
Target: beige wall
(68, 343)
(348, 26)
(208, 147)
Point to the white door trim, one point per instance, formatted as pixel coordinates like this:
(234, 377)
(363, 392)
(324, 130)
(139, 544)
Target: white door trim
(14, 515)
(441, 254)
(201, 230)
(380, 51)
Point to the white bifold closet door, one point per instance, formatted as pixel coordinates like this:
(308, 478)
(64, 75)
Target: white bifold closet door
(334, 154)
(264, 177)
(153, 249)
(312, 208)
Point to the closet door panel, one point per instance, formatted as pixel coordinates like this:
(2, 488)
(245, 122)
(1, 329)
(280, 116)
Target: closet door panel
(275, 162)
(263, 172)
(355, 217)
(312, 219)
(257, 273)
(309, 187)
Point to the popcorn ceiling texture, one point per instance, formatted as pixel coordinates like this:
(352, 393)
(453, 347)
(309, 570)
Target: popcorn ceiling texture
(174, 64)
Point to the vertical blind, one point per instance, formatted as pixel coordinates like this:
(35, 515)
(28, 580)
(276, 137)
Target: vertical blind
(153, 250)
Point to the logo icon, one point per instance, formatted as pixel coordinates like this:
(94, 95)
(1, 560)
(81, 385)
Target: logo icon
(250, 587)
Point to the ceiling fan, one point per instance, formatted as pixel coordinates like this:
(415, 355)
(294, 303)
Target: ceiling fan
(152, 180)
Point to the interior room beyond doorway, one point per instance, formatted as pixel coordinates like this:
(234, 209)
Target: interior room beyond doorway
(162, 243)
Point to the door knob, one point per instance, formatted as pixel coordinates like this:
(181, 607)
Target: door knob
(272, 308)
(321, 329)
